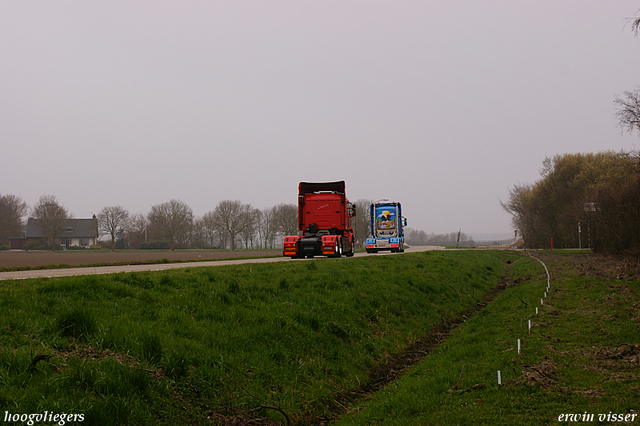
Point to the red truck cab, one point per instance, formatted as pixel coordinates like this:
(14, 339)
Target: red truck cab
(324, 218)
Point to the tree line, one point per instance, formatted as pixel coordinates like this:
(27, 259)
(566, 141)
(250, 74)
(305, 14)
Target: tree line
(589, 200)
(586, 200)
(421, 238)
(231, 224)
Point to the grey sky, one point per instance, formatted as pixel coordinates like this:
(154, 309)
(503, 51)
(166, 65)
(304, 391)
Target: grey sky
(441, 105)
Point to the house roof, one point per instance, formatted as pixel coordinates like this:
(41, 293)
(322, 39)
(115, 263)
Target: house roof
(76, 228)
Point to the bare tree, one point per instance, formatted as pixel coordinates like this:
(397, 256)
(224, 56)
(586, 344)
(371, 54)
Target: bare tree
(416, 237)
(361, 225)
(266, 227)
(628, 107)
(198, 238)
(51, 218)
(113, 221)
(287, 219)
(628, 111)
(12, 210)
(137, 230)
(172, 221)
(250, 219)
(230, 220)
(211, 230)
(635, 24)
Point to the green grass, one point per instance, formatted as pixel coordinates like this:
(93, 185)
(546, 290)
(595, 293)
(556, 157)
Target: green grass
(192, 345)
(581, 357)
(179, 346)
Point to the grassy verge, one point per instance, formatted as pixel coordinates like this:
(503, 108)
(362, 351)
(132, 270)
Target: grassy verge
(580, 359)
(197, 345)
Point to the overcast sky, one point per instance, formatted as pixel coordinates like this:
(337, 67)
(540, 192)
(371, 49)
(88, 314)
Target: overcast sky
(442, 105)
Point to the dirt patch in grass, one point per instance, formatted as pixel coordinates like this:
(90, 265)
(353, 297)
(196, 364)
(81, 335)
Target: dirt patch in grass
(591, 265)
(544, 374)
(59, 358)
(618, 362)
(91, 352)
(241, 421)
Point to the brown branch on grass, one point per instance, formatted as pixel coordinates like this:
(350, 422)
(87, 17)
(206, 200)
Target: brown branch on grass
(633, 347)
(196, 390)
(271, 407)
(478, 386)
(38, 358)
(452, 388)
(609, 353)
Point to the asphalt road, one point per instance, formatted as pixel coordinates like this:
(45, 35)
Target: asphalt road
(68, 272)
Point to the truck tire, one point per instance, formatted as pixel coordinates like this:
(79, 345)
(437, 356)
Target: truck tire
(350, 253)
(338, 248)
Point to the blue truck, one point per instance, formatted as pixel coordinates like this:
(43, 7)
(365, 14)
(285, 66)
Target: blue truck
(386, 227)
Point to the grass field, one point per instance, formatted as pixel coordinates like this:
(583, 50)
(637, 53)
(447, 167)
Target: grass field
(579, 362)
(317, 342)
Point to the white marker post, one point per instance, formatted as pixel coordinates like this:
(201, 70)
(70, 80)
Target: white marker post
(518, 346)
(529, 326)
(499, 379)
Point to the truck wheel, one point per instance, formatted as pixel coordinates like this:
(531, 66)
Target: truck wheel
(338, 249)
(350, 252)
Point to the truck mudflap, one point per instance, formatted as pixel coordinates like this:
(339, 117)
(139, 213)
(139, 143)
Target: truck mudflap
(309, 246)
(331, 245)
(291, 246)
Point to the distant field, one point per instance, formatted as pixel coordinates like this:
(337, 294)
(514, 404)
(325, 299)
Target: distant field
(33, 259)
